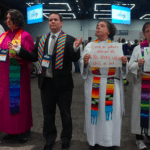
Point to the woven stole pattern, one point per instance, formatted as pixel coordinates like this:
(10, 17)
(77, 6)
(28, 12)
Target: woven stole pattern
(60, 51)
(95, 99)
(40, 52)
(145, 97)
(14, 79)
(96, 93)
(3, 36)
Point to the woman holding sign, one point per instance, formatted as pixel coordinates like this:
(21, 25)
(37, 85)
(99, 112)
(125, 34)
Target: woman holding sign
(15, 91)
(140, 116)
(104, 97)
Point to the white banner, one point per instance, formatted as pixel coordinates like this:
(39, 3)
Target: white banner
(106, 55)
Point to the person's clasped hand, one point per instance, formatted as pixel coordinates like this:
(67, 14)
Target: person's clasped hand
(12, 47)
(124, 59)
(86, 59)
(141, 62)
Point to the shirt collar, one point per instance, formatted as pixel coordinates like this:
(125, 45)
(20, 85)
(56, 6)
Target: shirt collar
(56, 34)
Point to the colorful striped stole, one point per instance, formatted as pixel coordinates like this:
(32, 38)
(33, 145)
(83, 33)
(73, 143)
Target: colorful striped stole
(14, 76)
(14, 79)
(96, 93)
(59, 51)
(145, 94)
(41, 51)
(3, 36)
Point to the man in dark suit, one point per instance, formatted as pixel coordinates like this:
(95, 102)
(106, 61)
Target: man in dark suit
(57, 50)
(132, 46)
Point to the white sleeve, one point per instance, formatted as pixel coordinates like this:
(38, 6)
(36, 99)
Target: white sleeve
(84, 71)
(133, 63)
(18, 49)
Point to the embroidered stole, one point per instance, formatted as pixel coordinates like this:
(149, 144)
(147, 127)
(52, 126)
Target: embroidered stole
(14, 76)
(59, 51)
(145, 97)
(96, 93)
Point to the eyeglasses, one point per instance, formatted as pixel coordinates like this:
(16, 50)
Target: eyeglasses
(147, 31)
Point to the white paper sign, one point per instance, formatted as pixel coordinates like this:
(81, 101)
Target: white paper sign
(147, 59)
(106, 55)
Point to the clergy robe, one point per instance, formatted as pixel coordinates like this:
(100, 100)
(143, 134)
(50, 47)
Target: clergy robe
(22, 122)
(136, 95)
(105, 133)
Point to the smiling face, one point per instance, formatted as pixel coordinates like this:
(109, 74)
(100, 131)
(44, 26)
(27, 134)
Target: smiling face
(9, 22)
(102, 30)
(147, 33)
(54, 23)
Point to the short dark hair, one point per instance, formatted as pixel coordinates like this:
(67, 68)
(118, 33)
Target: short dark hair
(123, 40)
(89, 38)
(111, 27)
(55, 12)
(145, 26)
(136, 41)
(16, 17)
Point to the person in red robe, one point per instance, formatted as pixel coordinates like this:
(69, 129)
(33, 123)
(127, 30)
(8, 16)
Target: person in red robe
(15, 90)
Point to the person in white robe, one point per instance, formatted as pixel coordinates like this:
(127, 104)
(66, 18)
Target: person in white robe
(104, 133)
(1, 29)
(135, 67)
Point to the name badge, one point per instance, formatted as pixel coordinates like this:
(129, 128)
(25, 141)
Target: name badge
(3, 55)
(46, 60)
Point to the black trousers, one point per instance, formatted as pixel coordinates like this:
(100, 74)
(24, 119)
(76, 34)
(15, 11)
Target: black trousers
(51, 97)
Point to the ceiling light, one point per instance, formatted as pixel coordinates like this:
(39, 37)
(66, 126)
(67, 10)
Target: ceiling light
(99, 4)
(28, 4)
(104, 18)
(54, 9)
(74, 17)
(132, 6)
(100, 14)
(61, 4)
(45, 15)
(105, 10)
(144, 16)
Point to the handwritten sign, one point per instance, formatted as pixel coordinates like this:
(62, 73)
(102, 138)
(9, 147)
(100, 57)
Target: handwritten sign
(106, 55)
(147, 59)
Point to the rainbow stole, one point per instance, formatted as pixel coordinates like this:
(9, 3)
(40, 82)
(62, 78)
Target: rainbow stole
(96, 93)
(14, 77)
(59, 51)
(145, 96)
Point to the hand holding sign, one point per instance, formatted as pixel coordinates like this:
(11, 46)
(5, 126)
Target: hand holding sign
(86, 59)
(141, 62)
(124, 59)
